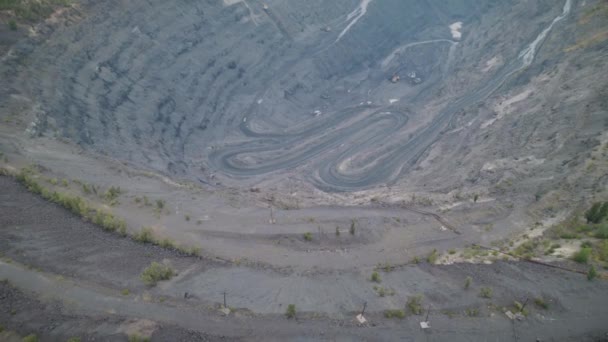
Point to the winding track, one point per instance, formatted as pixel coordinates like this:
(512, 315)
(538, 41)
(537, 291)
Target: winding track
(290, 149)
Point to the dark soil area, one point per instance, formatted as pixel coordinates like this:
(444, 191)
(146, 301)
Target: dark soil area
(53, 321)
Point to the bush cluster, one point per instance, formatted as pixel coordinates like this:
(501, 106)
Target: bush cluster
(597, 213)
(394, 314)
(155, 273)
(414, 303)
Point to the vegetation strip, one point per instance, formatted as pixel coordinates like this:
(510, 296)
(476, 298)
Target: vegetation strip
(532, 260)
(107, 221)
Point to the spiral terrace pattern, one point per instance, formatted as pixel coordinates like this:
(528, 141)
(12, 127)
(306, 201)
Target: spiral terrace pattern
(176, 86)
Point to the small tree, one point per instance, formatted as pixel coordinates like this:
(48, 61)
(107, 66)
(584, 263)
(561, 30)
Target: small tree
(291, 311)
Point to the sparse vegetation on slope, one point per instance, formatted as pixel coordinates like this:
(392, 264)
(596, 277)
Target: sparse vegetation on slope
(32, 9)
(107, 221)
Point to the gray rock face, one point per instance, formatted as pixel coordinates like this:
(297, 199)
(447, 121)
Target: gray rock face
(249, 91)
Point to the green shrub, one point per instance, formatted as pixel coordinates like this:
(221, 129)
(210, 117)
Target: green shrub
(486, 292)
(86, 189)
(352, 227)
(519, 307)
(583, 228)
(125, 292)
(569, 236)
(12, 25)
(592, 273)
(113, 192)
(602, 231)
(167, 243)
(137, 338)
(472, 312)
(375, 277)
(597, 212)
(414, 303)
(74, 339)
(155, 273)
(526, 250)
(110, 223)
(122, 228)
(432, 258)
(146, 235)
(5, 172)
(541, 303)
(582, 256)
(394, 314)
(192, 251)
(30, 338)
(308, 236)
(291, 311)
(603, 250)
(160, 204)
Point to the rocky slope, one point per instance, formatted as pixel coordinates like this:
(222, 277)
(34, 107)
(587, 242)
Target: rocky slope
(240, 92)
